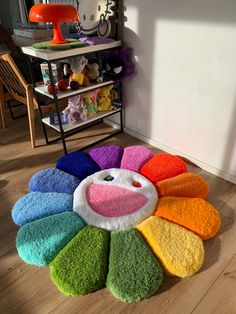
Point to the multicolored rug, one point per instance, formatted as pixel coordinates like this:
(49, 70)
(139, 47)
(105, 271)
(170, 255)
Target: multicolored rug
(116, 218)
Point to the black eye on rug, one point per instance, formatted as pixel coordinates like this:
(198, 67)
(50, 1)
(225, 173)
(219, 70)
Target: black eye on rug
(109, 178)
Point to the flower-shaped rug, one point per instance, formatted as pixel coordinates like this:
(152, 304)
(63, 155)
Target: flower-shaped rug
(116, 218)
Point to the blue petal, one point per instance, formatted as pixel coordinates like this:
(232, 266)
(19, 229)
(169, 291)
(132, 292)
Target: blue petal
(38, 205)
(53, 180)
(78, 164)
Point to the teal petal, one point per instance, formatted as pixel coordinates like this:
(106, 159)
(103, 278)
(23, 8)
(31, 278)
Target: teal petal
(40, 241)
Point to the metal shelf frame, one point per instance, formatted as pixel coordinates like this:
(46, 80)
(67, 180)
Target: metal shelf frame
(51, 56)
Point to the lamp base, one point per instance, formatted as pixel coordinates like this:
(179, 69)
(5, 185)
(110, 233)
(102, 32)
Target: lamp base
(57, 35)
(58, 42)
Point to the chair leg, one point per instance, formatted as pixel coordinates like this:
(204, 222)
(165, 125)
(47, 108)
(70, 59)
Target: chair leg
(2, 107)
(30, 109)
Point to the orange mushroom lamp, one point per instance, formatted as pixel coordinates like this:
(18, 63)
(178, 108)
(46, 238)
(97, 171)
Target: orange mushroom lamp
(56, 14)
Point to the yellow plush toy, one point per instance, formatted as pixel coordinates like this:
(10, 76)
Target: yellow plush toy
(104, 99)
(79, 76)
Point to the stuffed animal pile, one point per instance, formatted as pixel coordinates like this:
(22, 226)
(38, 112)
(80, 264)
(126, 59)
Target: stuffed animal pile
(86, 104)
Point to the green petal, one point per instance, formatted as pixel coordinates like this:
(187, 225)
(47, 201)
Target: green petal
(134, 273)
(38, 242)
(81, 267)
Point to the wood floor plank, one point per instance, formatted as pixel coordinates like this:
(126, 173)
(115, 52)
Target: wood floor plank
(35, 295)
(103, 302)
(13, 271)
(221, 297)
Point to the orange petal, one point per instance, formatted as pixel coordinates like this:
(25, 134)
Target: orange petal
(194, 214)
(163, 166)
(185, 185)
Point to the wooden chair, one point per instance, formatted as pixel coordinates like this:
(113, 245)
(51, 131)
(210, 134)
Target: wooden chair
(18, 89)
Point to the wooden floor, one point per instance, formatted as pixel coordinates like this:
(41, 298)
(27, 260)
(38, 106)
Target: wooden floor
(28, 289)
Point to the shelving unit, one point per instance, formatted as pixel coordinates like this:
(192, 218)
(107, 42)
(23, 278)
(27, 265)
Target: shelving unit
(51, 56)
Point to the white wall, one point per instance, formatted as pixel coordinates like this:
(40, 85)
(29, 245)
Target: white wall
(183, 98)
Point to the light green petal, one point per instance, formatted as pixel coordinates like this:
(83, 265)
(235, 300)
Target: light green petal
(81, 267)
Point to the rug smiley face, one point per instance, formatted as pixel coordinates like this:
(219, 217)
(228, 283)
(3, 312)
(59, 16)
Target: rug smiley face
(115, 199)
(115, 218)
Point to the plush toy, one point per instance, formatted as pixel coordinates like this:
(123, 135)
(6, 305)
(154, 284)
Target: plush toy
(62, 85)
(83, 112)
(118, 64)
(74, 85)
(104, 99)
(79, 74)
(89, 101)
(114, 67)
(93, 71)
(72, 111)
(116, 97)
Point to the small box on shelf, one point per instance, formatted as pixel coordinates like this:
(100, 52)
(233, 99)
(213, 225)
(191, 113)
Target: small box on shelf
(53, 118)
(56, 71)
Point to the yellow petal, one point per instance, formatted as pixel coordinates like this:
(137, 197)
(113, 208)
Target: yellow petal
(180, 251)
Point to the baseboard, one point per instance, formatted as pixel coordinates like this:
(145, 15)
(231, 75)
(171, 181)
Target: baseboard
(218, 172)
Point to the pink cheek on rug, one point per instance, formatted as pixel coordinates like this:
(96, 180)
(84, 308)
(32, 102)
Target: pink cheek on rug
(114, 201)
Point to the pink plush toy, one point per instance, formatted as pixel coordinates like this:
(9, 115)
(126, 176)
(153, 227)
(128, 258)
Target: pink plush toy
(73, 109)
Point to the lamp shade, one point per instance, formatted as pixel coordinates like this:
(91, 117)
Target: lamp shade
(54, 13)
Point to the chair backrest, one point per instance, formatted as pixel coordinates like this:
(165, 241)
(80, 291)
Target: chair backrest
(12, 78)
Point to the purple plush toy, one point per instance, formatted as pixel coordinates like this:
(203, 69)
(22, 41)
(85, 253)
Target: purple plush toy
(119, 64)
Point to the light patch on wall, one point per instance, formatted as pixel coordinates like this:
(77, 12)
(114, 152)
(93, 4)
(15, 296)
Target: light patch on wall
(193, 87)
(133, 20)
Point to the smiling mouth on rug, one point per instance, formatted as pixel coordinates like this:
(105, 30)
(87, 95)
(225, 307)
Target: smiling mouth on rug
(114, 201)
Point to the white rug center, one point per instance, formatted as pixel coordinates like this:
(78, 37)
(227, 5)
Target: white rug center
(115, 199)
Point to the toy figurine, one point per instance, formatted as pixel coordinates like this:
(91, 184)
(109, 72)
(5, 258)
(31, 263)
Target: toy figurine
(116, 97)
(89, 101)
(79, 74)
(118, 64)
(93, 71)
(72, 111)
(83, 112)
(104, 99)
